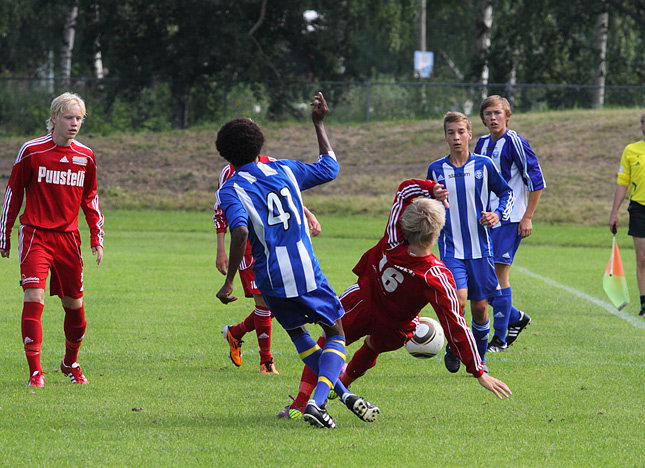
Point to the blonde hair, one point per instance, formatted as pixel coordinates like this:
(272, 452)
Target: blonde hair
(454, 117)
(422, 221)
(61, 104)
(493, 101)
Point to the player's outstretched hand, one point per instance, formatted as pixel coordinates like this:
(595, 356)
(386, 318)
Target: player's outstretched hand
(320, 108)
(224, 294)
(4, 253)
(496, 386)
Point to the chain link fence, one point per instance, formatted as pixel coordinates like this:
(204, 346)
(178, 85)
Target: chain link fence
(24, 103)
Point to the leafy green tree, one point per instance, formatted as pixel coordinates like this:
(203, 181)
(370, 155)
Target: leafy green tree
(549, 42)
(168, 41)
(631, 8)
(29, 29)
(364, 39)
(270, 43)
(452, 36)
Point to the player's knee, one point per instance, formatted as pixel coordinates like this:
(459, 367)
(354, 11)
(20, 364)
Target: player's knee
(35, 295)
(479, 310)
(72, 303)
(335, 330)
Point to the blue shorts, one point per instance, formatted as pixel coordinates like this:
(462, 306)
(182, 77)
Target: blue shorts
(478, 275)
(318, 306)
(506, 241)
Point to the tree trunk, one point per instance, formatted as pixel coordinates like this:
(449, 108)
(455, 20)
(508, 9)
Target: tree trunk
(602, 24)
(452, 65)
(512, 81)
(180, 93)
(98, 58)
(69, 32)
(51, 76)
(98, 64)
(484, 25)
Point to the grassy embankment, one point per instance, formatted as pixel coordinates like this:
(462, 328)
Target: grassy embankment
(579, 152)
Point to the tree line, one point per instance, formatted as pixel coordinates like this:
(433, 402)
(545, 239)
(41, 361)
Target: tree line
(197, 47)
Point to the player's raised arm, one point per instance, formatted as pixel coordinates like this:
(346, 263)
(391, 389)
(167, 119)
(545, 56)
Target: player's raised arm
(318, 114)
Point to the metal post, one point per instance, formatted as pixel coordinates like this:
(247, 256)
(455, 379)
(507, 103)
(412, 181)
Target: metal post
(368, 85)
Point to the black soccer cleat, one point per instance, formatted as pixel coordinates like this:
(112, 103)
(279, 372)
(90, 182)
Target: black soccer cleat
(361, 408)
(496, 345)
(318, 417)
(451, 361)
(516, 328)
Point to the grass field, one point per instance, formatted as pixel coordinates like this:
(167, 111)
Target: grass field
(164, 393)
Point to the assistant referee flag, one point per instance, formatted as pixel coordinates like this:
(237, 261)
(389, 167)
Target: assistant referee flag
(614, 281)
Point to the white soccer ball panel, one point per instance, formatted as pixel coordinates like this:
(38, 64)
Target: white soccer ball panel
(428, 339)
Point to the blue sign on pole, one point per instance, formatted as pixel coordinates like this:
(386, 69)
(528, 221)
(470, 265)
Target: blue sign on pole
(423, 62)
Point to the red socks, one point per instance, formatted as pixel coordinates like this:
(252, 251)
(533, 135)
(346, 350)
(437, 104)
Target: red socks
(263, 331)
(260, 321)
(242, 328)
(362, 360)
(74, 326)
(32, 334)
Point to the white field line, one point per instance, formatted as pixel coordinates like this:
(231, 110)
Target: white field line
(636, 321)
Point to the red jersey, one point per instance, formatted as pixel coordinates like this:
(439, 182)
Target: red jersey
(399, 285)
(220, 220)
(57, 181)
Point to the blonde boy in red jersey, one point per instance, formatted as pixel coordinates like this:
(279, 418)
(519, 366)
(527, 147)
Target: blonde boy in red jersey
(57, 176)
(397, 278)
(260, 319)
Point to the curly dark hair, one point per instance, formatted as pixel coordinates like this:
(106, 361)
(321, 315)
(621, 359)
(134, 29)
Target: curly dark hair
(239, 141)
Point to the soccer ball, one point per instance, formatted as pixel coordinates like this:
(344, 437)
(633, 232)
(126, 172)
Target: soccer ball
(427, 340)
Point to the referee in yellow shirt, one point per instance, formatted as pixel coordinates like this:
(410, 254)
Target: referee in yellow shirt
(631, 177)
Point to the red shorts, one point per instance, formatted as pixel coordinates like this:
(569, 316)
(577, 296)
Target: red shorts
(41, 251)
(246, 273)
(359, 321)
(248, 282)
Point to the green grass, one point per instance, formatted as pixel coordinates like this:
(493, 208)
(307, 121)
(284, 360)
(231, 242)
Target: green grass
(164, 393)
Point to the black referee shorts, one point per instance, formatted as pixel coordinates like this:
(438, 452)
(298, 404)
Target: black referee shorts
(636, 219)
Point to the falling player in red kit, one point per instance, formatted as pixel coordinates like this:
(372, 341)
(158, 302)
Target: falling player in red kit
(397, 278)
(260, 319)
(57, 176)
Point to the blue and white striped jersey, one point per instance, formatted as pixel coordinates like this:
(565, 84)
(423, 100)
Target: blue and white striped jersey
(519, 166)
(266, 198)
(469, 191)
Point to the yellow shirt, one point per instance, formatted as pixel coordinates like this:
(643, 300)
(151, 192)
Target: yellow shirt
(632, 173)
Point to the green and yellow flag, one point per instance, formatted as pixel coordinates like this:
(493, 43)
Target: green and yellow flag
(614, 280)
